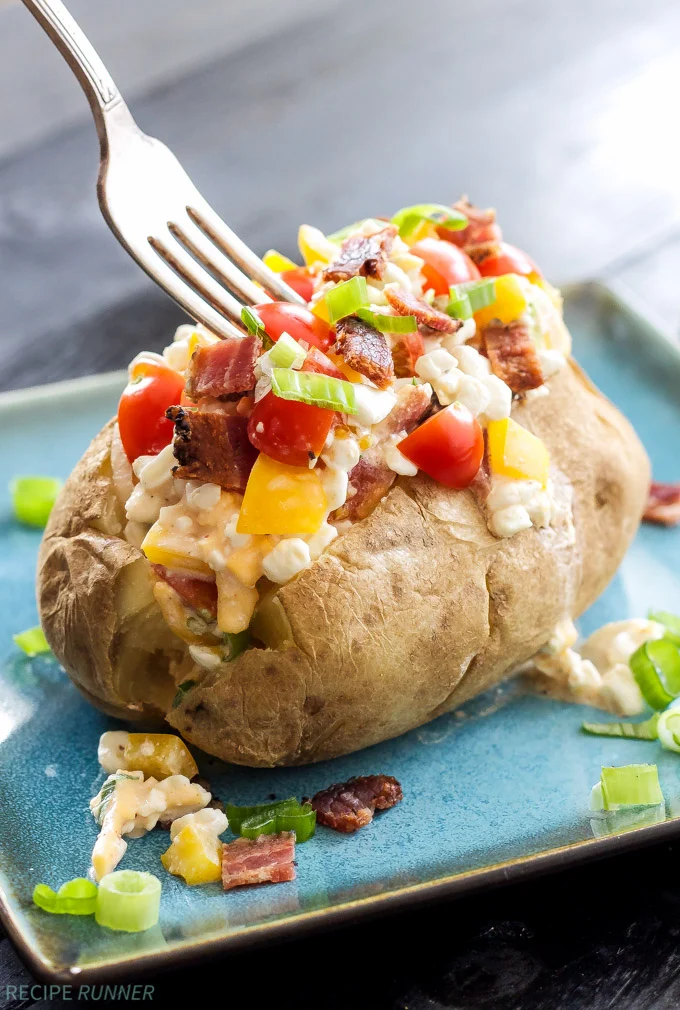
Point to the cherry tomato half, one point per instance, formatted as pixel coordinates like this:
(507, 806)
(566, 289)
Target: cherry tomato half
(445, 264)
(299, 280)
(508, 260)
(449, 446)
(144, 428)
(288, 431)
(296, 320)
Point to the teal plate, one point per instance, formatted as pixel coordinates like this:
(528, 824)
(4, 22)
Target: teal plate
(491, 793)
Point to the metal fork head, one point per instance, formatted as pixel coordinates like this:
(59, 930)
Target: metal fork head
(159, 216)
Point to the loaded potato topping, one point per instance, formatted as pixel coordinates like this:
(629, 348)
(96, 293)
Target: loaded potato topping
(250, 455)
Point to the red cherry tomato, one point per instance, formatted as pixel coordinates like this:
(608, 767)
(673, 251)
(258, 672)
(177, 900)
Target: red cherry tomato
(449, 446)
(288, 431)
(299, 280)
(445, 264)
(144, 428)
(296, 320)
(508, 260)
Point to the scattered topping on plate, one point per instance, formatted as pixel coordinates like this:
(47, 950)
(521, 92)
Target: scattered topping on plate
(348, 806)
(262, 860)
(128, 901)
(33, 499)
(663, 506)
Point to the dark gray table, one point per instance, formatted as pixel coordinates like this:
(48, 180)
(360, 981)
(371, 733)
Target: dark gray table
(564, 117)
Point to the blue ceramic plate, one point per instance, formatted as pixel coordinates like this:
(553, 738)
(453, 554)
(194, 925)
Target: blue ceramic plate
(493, 792)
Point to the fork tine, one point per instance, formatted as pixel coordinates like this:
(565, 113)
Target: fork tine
(193, 304)
(176, 256)
(196, 241)
(221, 234)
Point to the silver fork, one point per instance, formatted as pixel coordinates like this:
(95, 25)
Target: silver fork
(151, 204)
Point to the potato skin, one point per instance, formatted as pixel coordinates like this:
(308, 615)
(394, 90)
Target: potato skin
(410, 613)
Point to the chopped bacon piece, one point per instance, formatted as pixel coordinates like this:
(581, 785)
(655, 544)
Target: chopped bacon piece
(512, 355)
(406, 351)
(481, 228)
(212, 446)
(365, 349)
(224, 369)
(362, 255)
(412, 406)
(267, 859)
(407, 304)
(199, 594)
(369, 482)
(663, 504)
(350, 805)
(482, 251)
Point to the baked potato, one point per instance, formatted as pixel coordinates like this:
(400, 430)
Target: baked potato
(430, 587)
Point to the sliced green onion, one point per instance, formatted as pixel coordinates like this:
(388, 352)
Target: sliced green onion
(669, 729)
(287, 353)
(315, 388)
(388, 324)
(646, 730)
(32, 641)
(251, 321)
(460, 308)
(33, 498)
(480, 293)
(343, 233)
(76, 897)
(344, 299)
(272, 818)
(630, 786)
(128, 900)
(235, 643)
(656, 668)
(670, 622)
(408, 218)
(181, 692)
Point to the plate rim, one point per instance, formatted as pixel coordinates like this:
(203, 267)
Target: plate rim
(407, 896)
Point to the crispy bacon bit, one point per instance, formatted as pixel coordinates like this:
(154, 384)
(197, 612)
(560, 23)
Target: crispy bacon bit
(365, 349)
(369, 482)
(482, 251)
(481, 229)
(267, 859)
(407, 304)
(225, 369)
(663, 504)
(350, 805)
(406, 351)
(512, 355)
(199, 594)
(412, 406)
(362, 255)
(212, 446)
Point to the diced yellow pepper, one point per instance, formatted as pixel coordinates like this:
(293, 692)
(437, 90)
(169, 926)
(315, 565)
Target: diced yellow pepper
(349, 372)
(277, 262)
(158, 755)
(195, 855)
(320, 309)
(282, 499)
(515, 452)
(511, 301)
(425, 229)
(314, 246)
(164, 547)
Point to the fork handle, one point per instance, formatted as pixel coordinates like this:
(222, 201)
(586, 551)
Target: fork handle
(81, 56)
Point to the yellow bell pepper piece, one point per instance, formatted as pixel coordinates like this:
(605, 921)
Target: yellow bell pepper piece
(282, 499)
(277, 262)
(158, 755)
(340, 363)
(195, 855)
(426, 229)
(164, 547)
(320, 309)
(515, 452)
(511, 301)
(314, 246)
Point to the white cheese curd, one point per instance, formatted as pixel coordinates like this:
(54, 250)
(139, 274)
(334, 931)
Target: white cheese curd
(187, 337)
(473, 394)
(128, 805)
(111, 749)
(395, 275)
(319, 541)
(155, 471)
(202, 496)
(471, 362)
(461, 336)
(396, 460)
(342, 453)
(183, 524)
(515, 505)
(500, 399)
(212, 821)
(551, 362)
(237, 540)
(373, 405)
(144, 507)
(156, 488)
(508, 521)
(536, 394)
(335, 483)
(434, 364)
(205, 657)
(289, 557)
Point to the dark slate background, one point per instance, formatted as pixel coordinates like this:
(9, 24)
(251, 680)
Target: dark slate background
(563, 116)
